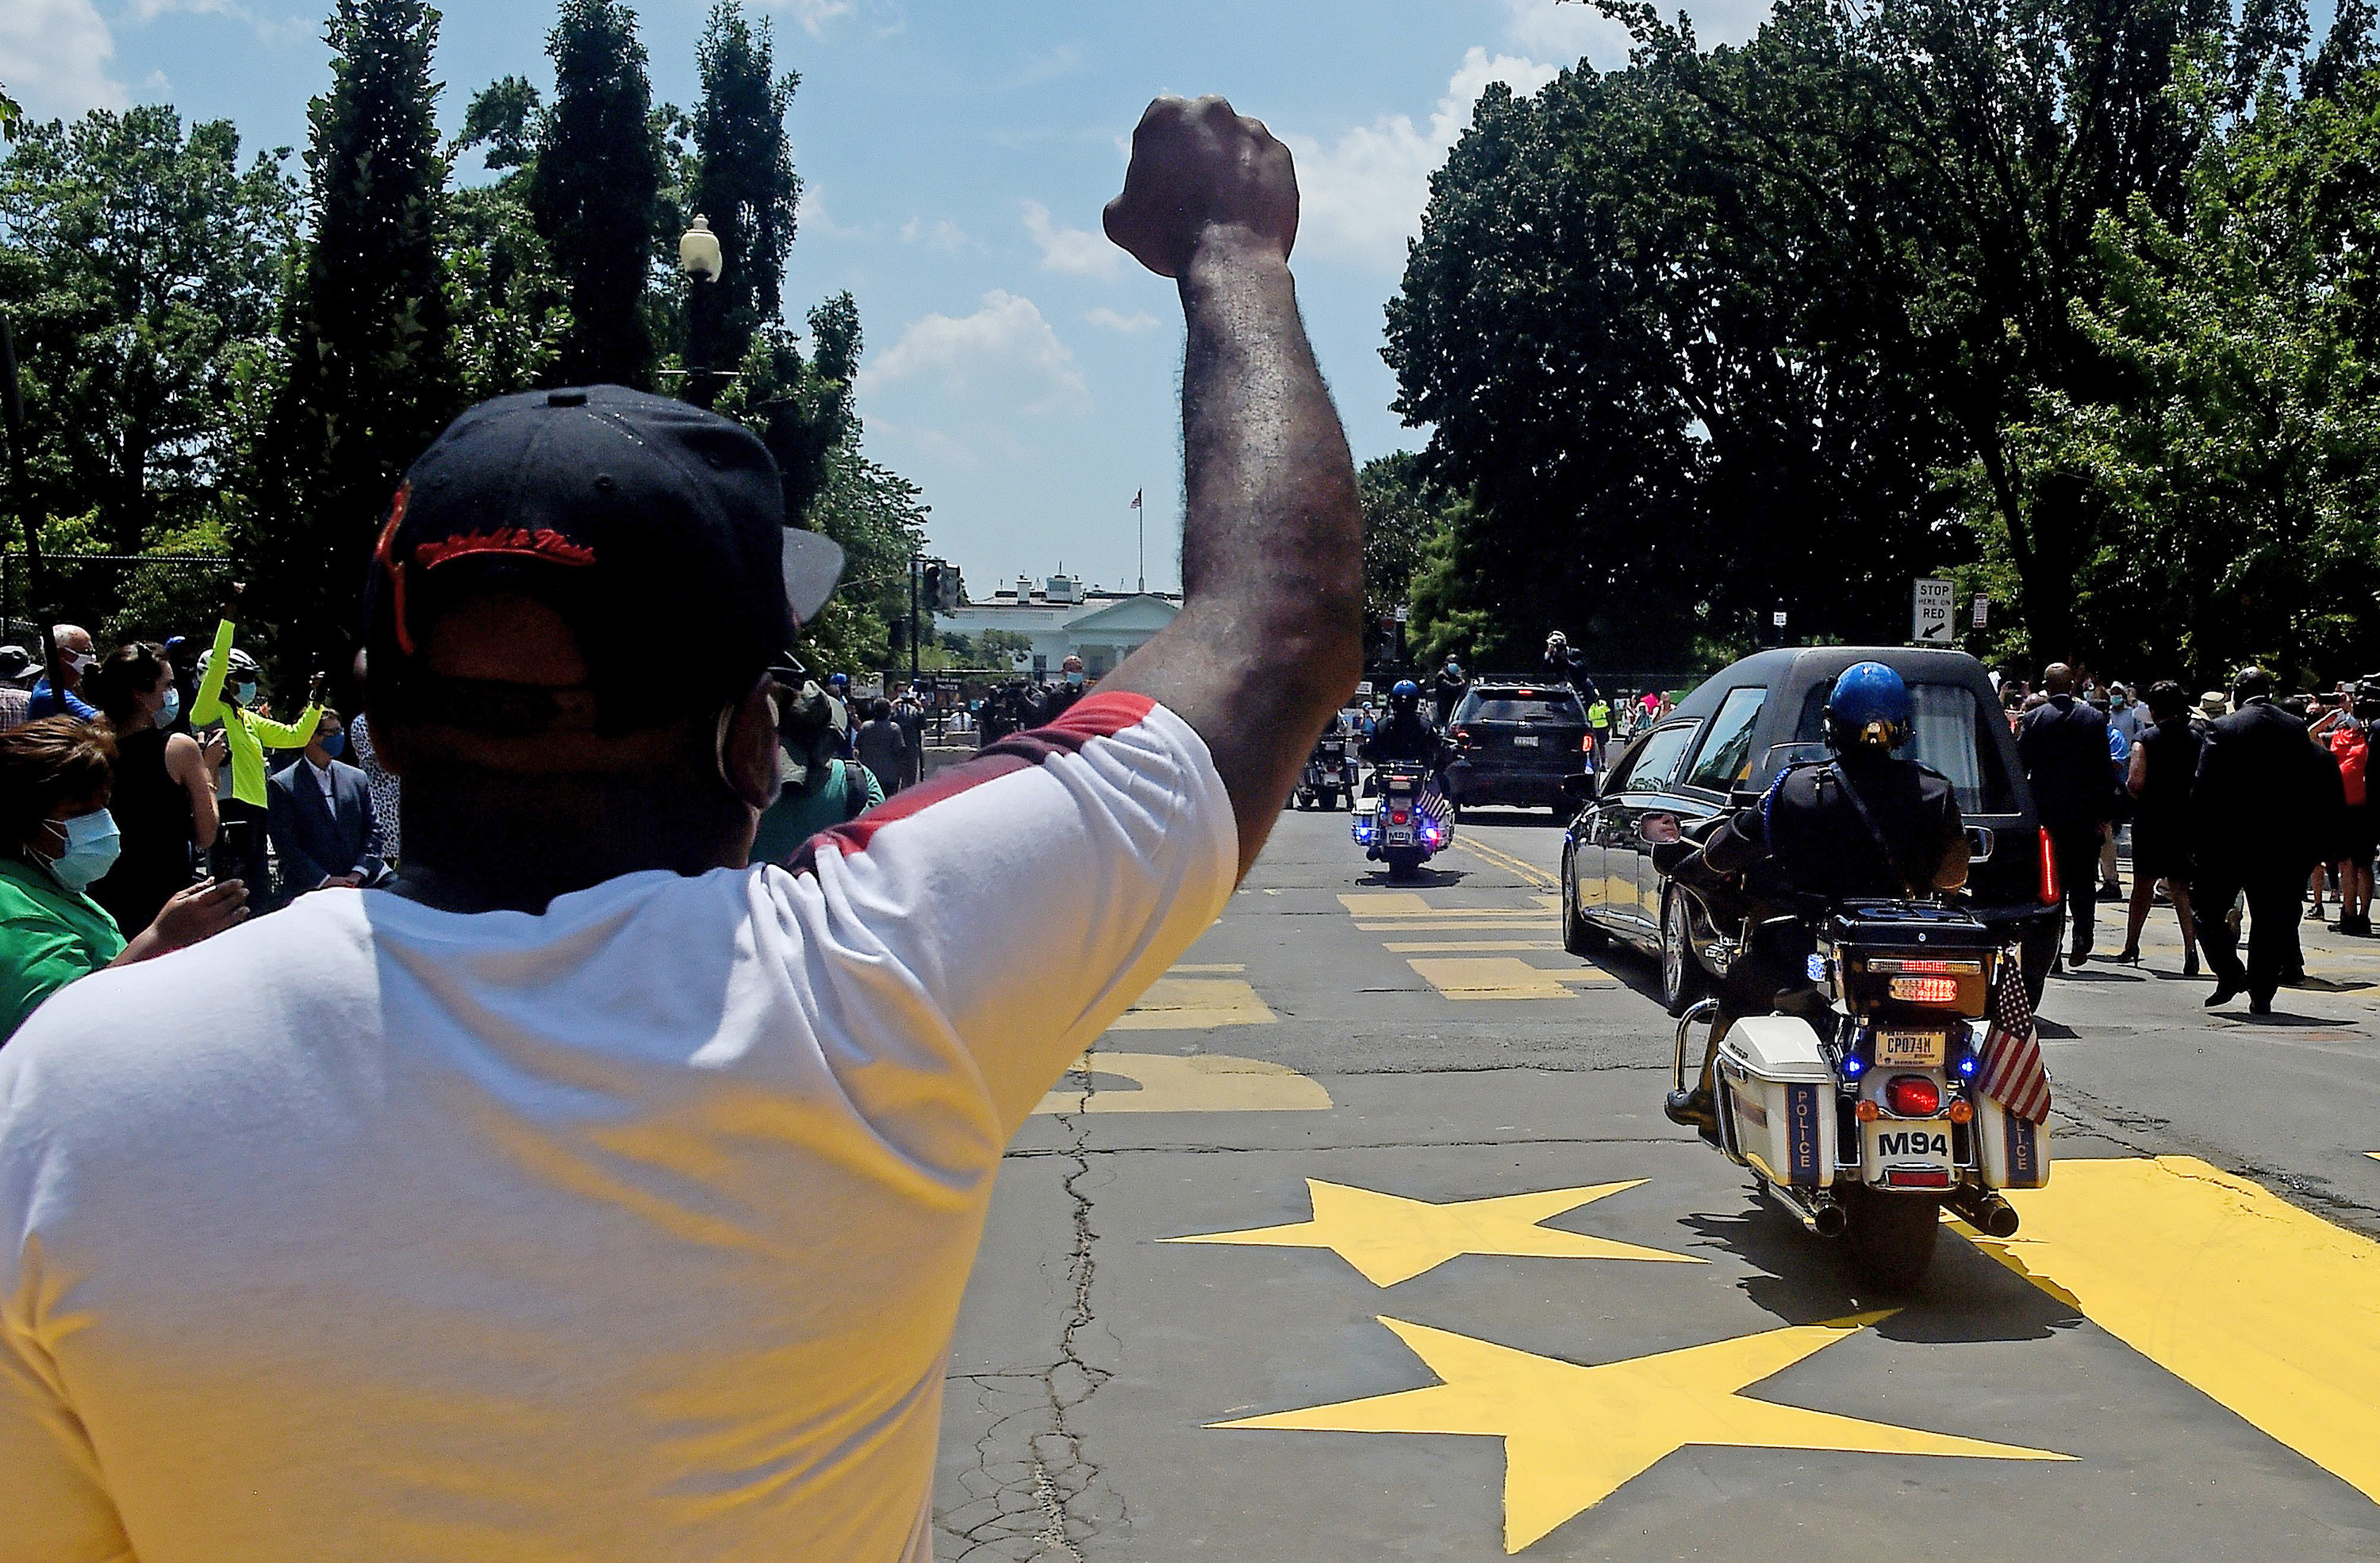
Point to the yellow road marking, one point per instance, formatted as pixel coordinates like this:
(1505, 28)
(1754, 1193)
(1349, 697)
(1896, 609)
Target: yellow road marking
(1207, 971)
(1196, 1004)
(1575, 1435)
(2270, 1310)
(1491, 977)
(1497, 858)
(1203, 1083)
(1390, 1239)
(1386, 903)
(1456, 945)
(1513, 923)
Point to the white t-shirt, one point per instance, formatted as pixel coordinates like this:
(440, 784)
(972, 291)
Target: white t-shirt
(635, 1229)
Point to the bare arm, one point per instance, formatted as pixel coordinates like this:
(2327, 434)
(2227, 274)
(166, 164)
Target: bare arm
(1269, 643)
(2136, 772)
(185, 762)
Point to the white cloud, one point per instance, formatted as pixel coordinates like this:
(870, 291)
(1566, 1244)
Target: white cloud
(1568, 30)
(1361, 197)
(944, 235)
(815, 14)
(1005, 346)
(1133, 324)
(53, 56)
(814, 218)
(1078, 252)
(150, 10)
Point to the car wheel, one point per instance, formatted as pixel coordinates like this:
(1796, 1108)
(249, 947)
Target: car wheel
(1579, 936)
(1682, 982)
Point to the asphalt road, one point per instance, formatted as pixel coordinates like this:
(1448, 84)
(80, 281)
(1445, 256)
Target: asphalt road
(1469, 1294)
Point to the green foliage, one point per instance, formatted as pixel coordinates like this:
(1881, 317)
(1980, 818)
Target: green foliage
(595, 190)
(2233, 466)
(1401, 513)
(12, 117)
(801, 406)
(369, 378)
(1743, 327)
(505, 118)
(143, 274)
(879, 517)
(744, 182)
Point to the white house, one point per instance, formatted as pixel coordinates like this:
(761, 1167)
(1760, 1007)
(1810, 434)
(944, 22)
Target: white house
(1062, 619)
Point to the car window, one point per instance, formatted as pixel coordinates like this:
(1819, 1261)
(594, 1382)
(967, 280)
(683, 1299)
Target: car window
(1949, 736)
(1541, 709)
(1724, 762)
(1655, 759)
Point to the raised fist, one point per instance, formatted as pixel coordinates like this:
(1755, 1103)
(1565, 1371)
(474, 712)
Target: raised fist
(1198, 168)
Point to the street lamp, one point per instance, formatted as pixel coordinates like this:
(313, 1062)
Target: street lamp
(699, 258)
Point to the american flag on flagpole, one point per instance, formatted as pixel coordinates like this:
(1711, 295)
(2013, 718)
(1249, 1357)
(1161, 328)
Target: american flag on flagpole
(1136, 497)
(2014, 1074)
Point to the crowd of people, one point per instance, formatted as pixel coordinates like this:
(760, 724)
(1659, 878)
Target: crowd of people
(2242, 805)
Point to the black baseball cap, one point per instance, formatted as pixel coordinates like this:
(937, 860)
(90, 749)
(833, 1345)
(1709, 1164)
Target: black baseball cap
(628, 513)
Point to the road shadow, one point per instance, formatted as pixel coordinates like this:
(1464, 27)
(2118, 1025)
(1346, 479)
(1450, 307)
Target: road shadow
(1801, 1278)
(1426, 879)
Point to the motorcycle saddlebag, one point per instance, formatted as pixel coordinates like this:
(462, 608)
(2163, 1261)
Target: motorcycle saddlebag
(1780, 1099)
(2016, 1153)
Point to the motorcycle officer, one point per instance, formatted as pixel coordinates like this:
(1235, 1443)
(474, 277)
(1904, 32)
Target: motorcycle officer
(1406, 737)
(1864, 825)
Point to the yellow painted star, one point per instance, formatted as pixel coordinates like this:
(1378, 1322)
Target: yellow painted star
(1573, 1436)
(1391, 1239)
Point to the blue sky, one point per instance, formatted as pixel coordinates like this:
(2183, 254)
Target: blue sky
(1019, 370)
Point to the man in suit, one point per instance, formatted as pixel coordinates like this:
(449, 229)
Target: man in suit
(2062, 743)
(320, 813)
(2266, 804)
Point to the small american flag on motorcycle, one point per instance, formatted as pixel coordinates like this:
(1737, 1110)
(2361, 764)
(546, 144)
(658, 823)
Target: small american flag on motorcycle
(2014, 1074)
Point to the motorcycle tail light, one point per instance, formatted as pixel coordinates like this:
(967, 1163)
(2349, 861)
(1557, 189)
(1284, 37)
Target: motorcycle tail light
(1913, 1095)
(1398, 817)
(1925, 990)
(2051, 892)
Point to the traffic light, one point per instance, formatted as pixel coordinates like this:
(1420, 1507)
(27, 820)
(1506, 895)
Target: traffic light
(932, 594)
(952, 591)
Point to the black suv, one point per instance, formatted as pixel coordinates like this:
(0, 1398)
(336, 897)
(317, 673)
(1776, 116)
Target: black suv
(1518, 744)
(1726, 743)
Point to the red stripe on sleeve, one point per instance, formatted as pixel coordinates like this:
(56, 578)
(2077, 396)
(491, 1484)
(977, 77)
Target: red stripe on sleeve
(1094, 716)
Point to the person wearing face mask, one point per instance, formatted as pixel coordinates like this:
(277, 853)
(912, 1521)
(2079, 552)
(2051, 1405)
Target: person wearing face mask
(75, 659)
(57, 841)
(322, 817)
(1061, 700)
(164, 792)
(227, 694)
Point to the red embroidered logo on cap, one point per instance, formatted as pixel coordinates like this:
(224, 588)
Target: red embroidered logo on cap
(520, 541)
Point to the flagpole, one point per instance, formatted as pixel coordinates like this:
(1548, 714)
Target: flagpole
(1140, 507)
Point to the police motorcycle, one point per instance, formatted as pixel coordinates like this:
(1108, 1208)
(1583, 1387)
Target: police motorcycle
(1409, 821)
(1856, 1103)
(1330, 773)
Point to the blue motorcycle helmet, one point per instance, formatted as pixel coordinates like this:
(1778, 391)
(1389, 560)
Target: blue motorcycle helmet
(1870, 707)
(1406, 696)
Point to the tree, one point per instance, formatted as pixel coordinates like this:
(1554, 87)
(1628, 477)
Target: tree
(744, 184)
(508, 306)
(144, 277)
(594, 192)
(879, 517)
(368, 378)
(2233, 466)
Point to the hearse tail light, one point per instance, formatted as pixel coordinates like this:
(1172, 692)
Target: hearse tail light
(2051, 894)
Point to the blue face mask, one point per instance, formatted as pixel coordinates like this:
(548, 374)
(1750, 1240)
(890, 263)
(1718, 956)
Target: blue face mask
(171, 709)
(244, 693)
(333, 744)
(92, 847)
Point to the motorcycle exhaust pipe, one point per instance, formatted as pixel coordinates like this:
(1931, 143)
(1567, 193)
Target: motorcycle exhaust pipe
(1984, 1210)
(1818, 1213)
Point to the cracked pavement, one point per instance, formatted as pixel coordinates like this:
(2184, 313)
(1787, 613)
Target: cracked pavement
(1092, 1361)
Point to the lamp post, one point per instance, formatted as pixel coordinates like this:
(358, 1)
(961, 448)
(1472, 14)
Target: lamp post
(699, 258)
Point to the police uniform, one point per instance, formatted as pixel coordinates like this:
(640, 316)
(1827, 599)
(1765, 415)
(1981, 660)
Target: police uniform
(1864, 826)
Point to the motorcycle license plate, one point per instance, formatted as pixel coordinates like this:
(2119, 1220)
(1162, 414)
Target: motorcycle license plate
(1909, 1050)
(1401, 835)
(1526, 742)
(1889, 1142)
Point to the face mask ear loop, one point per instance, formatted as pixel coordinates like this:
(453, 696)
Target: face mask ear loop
(719, 757)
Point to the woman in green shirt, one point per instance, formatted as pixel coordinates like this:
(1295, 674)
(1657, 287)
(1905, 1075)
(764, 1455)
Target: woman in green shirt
(57, 840)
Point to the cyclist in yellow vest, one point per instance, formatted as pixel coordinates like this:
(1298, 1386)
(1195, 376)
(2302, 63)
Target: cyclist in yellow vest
(247, 734)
